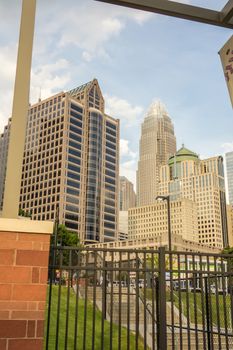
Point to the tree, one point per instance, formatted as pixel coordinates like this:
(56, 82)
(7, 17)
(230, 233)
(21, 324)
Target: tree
(66, 238)
(24, 213)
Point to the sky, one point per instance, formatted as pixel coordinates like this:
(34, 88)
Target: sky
(137, 57)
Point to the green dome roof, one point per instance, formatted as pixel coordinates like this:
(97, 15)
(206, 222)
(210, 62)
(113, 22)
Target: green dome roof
(183, 154)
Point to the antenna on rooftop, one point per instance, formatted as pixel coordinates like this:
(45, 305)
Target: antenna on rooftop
(39, 99)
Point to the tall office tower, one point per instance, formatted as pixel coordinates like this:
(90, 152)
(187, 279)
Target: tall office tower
(157, 144)
(127, 194)
(4, 142)
(71, 161)
(202, 181)
(229, 168)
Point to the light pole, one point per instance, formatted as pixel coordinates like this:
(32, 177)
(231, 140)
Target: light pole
(167, 199)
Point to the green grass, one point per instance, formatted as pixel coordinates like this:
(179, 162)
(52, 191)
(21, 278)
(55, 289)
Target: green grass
(81, 339)
(189, 300)
(214, 305)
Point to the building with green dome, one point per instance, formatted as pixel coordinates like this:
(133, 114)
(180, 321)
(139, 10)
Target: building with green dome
(202, 181)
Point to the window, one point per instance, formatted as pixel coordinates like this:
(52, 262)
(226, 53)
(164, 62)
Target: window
(110, 125)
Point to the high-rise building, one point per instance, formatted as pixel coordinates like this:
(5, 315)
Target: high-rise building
(230, 224)
(157, 144)
(151, 221)
(71, 161)
(202, 181)
(127, 194)
(4, 142)
(229, 168)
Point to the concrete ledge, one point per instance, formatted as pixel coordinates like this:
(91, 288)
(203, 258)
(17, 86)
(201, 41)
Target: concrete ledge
(26, 226)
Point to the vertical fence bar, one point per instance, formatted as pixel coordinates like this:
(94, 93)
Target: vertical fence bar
(94, 299)
(111, 300)
(208, 321)
(144, 298)
(180, 303)
(223, 274)
(230, 287)
(202, 286)
(59, 299)
(69, 279)
(153, 299)
(217, 302)
(120, 300)
(103, 299)
(128, 302)
(50, 273)
(85, 300)
(210, 302)
(195, 301)
(76, 322)
(137, 317)
(170, 256)
(187, 298)
(162, 300)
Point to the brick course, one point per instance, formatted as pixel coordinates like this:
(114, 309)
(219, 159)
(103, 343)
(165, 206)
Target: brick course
(23, 285)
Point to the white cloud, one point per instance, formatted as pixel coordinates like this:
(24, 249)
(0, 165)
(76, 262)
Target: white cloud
(227, 147)
(50, 78)
(128, 169)
(86, 24)
(125, 150)
(122, 109)
(7, 74)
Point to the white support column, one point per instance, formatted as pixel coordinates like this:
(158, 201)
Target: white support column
(19, 111)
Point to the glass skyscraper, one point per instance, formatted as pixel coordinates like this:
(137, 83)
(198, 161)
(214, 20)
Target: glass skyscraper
(71, 162)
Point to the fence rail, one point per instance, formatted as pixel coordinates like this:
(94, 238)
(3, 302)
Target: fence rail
(139, 299)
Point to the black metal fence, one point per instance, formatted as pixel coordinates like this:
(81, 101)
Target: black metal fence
(139, 299)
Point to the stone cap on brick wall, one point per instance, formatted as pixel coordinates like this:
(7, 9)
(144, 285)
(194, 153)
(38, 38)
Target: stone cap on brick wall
(22, 225)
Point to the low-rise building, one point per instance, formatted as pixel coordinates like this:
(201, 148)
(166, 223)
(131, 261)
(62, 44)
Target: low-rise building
(151, 221)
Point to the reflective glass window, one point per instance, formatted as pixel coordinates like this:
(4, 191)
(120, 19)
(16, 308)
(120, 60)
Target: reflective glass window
(76, 108)
(74, 152)
(74, 168)
(73, 184)
(73, 176)
(76, 130)
(110, 125)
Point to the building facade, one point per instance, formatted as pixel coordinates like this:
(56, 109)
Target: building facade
(157, 144)
(127, 194)
(229, 169)
(71, 163)
(201, 181)
(151, 221)
(4, 142)
(230, 224)
(123, 225)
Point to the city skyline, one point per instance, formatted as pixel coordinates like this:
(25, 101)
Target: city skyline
(185, 74)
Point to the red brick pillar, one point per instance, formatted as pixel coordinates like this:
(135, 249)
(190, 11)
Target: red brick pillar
(24, 251)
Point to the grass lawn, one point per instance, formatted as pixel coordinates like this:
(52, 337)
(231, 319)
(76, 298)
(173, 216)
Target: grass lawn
(83, 341)
(216, 306)
(189, 300)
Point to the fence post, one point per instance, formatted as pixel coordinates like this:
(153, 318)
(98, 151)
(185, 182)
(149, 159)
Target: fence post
(161, 303)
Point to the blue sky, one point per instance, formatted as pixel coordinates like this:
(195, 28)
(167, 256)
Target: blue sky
(137, 57)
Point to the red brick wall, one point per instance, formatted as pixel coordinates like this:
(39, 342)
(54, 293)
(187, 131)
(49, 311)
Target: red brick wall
(23, 284)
